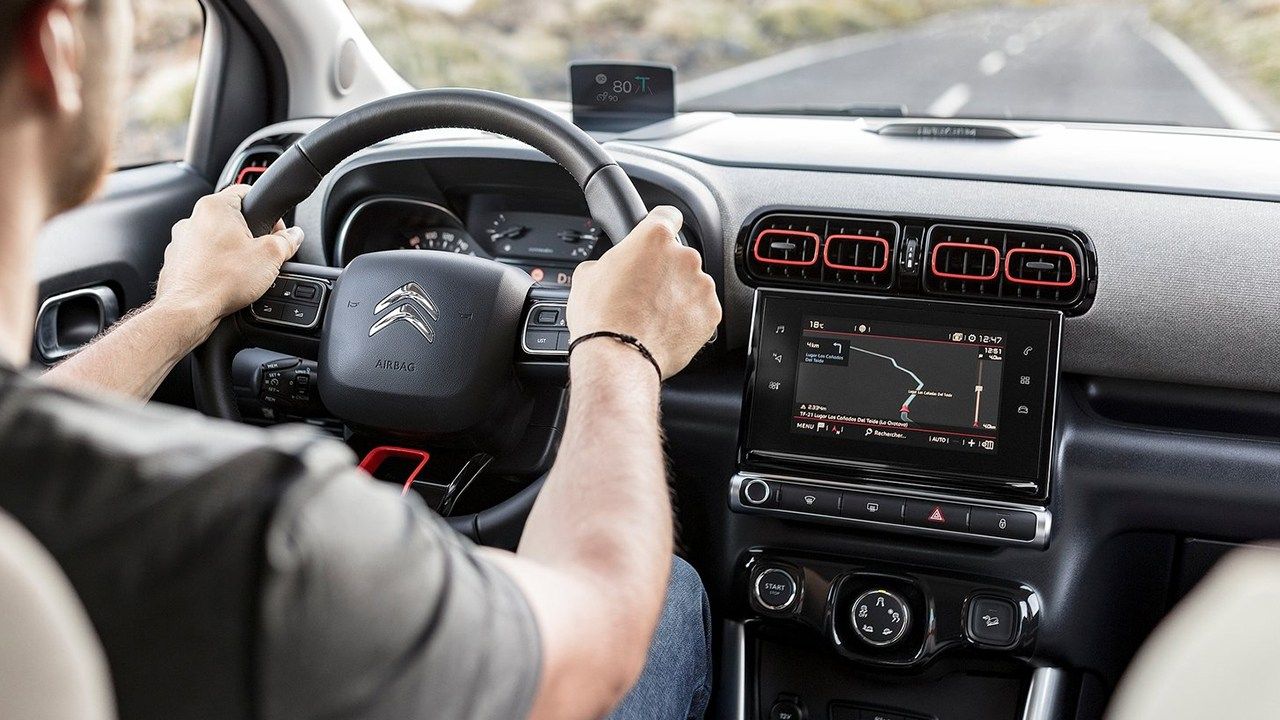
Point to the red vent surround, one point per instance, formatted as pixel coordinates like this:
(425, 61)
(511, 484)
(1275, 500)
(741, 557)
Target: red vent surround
(804, 234)
(995, 265)
(249, 174)
(834, 240)
(1015, 252)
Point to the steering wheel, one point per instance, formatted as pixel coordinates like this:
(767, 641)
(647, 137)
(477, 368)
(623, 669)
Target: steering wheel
(413, 343)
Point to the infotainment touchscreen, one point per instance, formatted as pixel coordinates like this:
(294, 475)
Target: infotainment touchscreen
(893, 382)
(911, 389)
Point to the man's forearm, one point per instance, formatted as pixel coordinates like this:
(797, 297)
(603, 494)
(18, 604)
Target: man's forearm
(596, 549)
(606, 500)
(136, 354)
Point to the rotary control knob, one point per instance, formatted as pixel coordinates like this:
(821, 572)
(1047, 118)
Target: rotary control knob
(880, 617)
(756, 491)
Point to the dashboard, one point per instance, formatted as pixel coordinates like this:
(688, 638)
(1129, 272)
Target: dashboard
(545, 237)
(1029, 376)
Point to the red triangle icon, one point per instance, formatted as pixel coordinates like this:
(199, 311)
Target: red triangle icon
(936, 515)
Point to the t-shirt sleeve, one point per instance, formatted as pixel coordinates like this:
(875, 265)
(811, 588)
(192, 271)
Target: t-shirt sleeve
(373, 608)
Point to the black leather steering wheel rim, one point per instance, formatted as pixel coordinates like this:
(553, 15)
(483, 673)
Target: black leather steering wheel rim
(611, 198)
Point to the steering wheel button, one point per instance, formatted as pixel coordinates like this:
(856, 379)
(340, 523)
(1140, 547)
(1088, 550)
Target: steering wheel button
(562, 340)
(267, 309)
(548, 316)
(305, 291)
(543, 340)
(281, 287)
(301, 315)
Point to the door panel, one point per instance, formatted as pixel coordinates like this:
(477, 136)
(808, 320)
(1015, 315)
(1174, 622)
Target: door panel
(117, 242)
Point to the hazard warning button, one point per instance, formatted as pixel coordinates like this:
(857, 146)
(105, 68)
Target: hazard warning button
(937, 515)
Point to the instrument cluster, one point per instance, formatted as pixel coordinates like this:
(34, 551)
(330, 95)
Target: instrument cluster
(544, 238)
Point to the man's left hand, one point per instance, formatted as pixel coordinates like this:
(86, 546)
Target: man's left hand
(214, 266)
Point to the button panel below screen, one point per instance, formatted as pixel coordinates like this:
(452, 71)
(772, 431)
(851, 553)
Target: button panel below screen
(887, 511)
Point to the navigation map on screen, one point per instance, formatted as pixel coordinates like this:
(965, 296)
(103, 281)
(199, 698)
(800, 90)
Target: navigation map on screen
(900, 383)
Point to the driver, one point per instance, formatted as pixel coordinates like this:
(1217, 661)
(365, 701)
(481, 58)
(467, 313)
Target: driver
(233, 572)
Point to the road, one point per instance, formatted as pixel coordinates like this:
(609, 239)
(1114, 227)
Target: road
(1103, 62)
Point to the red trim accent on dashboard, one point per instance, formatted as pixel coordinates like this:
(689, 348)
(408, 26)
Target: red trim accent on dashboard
(244, 172)
(826, 253)
(817, 243)
(1071, 260)
(933, 261)
(374, 459)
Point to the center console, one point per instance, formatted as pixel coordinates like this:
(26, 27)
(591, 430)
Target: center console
(905, 416)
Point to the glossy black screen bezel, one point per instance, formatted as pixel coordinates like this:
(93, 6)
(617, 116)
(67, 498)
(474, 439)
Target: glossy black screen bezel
(1022, 464)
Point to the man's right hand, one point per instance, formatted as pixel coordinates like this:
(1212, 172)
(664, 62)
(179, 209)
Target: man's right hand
(651, 287)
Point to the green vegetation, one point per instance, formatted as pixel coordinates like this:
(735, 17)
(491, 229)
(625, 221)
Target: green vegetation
(1241, 34)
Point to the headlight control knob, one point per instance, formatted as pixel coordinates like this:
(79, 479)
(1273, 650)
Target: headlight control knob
(880, 617)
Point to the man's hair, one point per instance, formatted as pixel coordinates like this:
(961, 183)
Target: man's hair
(11, 15)
(11, 12)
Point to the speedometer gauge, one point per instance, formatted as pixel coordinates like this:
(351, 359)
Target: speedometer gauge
(393, 223)
(442, 239)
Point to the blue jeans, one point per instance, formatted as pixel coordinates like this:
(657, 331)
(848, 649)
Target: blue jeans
(676, 681)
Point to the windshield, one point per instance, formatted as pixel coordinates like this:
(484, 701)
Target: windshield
(1208, 63)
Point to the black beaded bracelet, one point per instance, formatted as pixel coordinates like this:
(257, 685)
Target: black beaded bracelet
(630, 340)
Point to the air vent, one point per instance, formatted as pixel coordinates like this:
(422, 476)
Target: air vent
(822, 250)
(919, 257)
(857, 252)
(1043, 268)
(963, 261)
(250, 165)
(1005, 264)
(254, 166)
(786, 247)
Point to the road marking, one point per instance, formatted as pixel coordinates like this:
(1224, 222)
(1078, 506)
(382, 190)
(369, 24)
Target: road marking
(1015, 45)
(736, 77)
(992, 62)
(1233, 108)
(950, 101)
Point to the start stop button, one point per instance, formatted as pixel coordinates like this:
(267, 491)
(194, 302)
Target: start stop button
(775, 589)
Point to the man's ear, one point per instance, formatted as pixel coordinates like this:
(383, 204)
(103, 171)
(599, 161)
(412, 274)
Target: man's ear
(52, 52)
